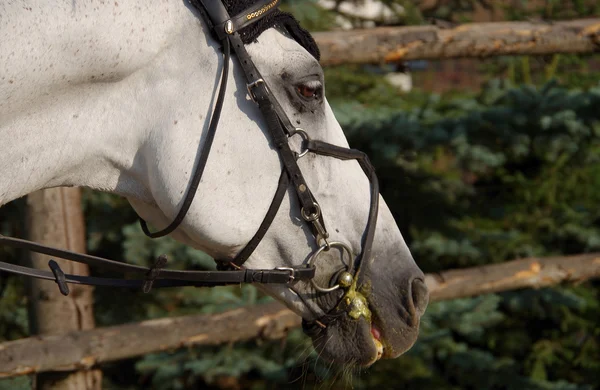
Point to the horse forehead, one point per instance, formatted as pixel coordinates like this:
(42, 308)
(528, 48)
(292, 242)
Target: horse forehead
(274, 51)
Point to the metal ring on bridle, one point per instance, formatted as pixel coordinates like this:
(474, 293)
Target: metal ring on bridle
(252, 85)
(312, 216)
(333, 244)
(305, 138)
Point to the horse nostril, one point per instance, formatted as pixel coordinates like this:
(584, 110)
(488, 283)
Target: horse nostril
(420, 295)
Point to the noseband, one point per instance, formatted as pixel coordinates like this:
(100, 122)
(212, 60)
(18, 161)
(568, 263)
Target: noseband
(230, 271)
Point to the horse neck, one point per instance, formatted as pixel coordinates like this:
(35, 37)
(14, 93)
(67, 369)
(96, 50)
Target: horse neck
(76, 106)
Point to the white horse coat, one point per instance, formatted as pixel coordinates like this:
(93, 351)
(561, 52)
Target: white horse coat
(116, 96)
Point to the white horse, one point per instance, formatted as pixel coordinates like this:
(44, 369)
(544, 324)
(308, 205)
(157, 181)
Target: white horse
(115, 96)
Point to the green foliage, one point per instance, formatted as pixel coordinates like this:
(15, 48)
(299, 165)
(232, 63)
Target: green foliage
(18, 383)
(208, 365)
(13, 312)
(511, 172)
(513, 163)
(551, 9)
(314, 17)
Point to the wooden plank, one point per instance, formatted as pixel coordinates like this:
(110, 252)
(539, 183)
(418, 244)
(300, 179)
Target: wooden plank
(478, 40)
(525, 273)
(85, 349)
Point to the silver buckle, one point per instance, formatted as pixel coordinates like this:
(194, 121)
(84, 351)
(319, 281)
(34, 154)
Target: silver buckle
(290, 270)
(252, 85)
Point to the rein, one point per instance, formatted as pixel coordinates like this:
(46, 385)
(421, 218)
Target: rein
(226, 30)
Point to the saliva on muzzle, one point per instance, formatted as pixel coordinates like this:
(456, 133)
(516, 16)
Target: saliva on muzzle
(352, 302)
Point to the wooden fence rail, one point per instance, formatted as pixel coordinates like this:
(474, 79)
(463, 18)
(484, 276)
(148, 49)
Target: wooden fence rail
(478, 40)
(85, 349)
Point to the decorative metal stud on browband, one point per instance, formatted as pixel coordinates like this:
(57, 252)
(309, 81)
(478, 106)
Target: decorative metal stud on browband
(229, 27)
(262, 10)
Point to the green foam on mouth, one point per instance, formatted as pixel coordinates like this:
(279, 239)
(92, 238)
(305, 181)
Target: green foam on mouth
(356, 303)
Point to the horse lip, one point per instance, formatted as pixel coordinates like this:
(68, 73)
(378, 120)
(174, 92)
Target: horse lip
(376, 335)
(376, 338)
(377, 326)
(378, 344)
(391, 351)
(375, 332)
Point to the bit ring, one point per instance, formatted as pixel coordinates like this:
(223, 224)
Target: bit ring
(334, 244)
(305, 138)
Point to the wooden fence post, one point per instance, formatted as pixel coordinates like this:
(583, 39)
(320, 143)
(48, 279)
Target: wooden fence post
(54, 217)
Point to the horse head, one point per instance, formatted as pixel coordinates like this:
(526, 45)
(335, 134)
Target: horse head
(140, 107)
(377, 313)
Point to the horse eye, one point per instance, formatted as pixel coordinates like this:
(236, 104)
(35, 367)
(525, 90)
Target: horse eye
(309, 91)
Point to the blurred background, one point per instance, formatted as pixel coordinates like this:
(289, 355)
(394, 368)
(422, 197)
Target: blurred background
(480, 160)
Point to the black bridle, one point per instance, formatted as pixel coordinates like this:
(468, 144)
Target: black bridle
(226, 30)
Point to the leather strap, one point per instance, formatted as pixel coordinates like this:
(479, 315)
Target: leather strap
(327, 149)
(245, 253)
(279, 136)
(202, 159)
(192, 278)
(164, 278)
(216, 12)
(243, 19)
